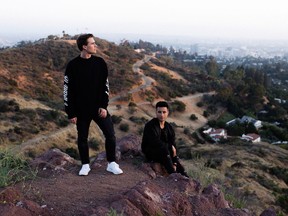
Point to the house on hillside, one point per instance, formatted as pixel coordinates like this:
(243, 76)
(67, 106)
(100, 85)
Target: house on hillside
(254, 138)
(246, 119)
(216, 134)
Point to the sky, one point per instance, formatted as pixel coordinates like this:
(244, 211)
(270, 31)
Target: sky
(223, 19)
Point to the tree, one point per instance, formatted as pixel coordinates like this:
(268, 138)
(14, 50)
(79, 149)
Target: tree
(212, 67)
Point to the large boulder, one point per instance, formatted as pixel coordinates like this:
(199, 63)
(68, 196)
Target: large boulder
(171, 196)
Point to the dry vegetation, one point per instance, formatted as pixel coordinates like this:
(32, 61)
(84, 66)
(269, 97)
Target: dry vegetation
(32, 120)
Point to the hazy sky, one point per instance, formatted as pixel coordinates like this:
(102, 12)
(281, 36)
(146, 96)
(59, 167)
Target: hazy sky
(246, 19)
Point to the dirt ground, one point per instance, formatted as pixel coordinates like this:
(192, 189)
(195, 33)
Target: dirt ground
(66, 193)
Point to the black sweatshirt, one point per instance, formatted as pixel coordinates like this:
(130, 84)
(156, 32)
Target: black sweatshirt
(86, 86)
(152, 139)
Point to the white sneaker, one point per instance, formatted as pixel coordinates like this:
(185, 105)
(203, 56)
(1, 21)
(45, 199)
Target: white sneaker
(84, 170)
(114, 168)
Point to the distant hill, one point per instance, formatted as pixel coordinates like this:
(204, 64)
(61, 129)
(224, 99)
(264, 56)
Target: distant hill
(36, 69)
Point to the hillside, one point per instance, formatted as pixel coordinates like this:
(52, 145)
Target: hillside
(32, 121)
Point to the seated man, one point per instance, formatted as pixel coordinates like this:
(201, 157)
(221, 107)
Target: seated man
(158, 142)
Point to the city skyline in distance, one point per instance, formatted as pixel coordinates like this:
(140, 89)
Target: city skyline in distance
(217, 20)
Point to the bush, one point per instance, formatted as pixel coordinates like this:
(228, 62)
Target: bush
(116, 119)
(124, 127)
(200, 104)
(8, 105)
(72, 152)
(63, 122)
(93, 144)
(206, 114)
(283, 202)
(214, 163)
(132, 104)
(50, 115)
(187, 131)
(13, 169)
(178, 106)
(138, 120)
(193, 117)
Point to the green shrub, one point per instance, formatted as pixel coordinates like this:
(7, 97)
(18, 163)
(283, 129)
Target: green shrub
(13, 169)
(113, 212)
(214, 163)
(124, 127)
(193, 117)
(200, 104)
(72, 152)
(178, 106)
(138, 120)
(8, 105)
(94, 144)
(63, 122)
(116, 119)
(283, 202)
(206, 114)
(235, 201)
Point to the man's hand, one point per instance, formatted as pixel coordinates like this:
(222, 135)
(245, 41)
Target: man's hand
(73, 120)
(102, 113)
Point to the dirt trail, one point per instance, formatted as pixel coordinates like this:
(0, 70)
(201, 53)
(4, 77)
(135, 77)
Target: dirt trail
(190, 101)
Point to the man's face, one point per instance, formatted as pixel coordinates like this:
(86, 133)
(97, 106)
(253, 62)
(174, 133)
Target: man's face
(91, 46)
(162, 113)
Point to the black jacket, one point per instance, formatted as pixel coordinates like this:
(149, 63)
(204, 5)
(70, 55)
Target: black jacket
(152, 137)
(86, 86)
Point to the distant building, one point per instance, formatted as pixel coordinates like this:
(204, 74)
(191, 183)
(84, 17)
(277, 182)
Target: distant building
(254, 138)
(280, 100)
(246, 119)
(216, 134)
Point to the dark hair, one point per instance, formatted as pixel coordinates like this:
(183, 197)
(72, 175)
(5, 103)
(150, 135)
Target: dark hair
(162, 104)
(82, 40)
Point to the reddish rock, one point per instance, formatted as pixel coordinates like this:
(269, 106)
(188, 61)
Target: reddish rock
(130, 144)
(53, 159)
(10, 195)
(13, 203)
(269, 212)
(171, 196)
(215, 196)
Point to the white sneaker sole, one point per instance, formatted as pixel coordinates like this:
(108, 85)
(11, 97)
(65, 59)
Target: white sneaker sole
(115, 173)
(84, 174)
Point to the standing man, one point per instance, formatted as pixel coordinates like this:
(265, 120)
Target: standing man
(158, 142)
(86, 96)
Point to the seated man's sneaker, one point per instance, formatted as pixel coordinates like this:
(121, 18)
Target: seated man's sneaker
(114, 168)
(84, 170)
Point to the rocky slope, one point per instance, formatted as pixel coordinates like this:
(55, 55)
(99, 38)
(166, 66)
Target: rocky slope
(141, 190)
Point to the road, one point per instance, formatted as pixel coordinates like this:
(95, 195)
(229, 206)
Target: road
(147, 81)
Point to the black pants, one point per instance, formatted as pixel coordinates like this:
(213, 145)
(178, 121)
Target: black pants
(106, 125)
(162, 156)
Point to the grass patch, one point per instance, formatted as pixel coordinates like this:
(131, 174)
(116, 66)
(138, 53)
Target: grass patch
(113, 212)
(13, 168)
(198, 170)
(235, 201)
